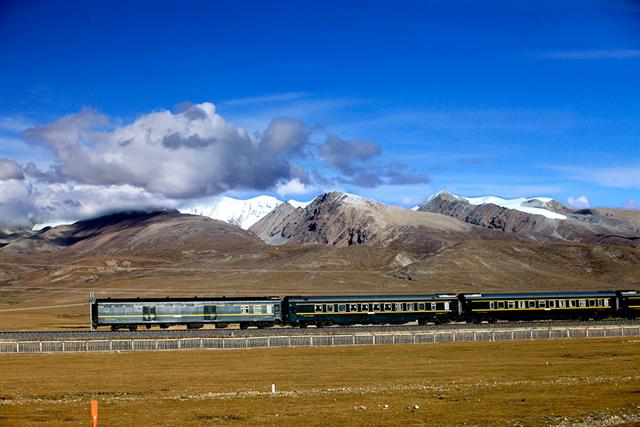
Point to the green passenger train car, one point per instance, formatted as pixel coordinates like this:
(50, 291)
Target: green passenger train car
(192, 312)
(629, 302)
(369, 309)
(539, 306)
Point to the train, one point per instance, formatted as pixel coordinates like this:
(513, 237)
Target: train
(304, 311)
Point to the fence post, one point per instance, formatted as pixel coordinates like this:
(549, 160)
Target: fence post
(333, 340)
(374, 338)
(63, 346)
(289, 341)
(179, 344)
(40, 346)
(587, 332)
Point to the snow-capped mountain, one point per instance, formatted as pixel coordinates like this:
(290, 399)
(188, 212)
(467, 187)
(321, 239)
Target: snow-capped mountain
(243, 213)
(544, 206)
(534, 205)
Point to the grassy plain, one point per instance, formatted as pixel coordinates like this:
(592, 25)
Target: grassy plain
(507, 383)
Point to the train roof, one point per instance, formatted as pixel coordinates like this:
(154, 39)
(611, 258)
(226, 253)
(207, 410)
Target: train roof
(373, 298)
(589, 294)
(186, 299)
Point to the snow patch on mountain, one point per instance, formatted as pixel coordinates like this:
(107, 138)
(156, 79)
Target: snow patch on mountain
(243, 213)
(522, 204)
(38, 227)
(297, 204)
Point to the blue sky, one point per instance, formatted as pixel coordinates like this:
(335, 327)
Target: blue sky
(509, 98)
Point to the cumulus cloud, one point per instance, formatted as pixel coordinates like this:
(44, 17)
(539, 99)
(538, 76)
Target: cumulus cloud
(347, 156)
(294, 187)
(356, 161)
(10, 169)
(190, 153)
(161, 158)
(24, 203)
(581, 202)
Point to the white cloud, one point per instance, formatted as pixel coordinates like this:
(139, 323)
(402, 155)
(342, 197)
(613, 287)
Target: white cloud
(294, 187)
(277, 97)
(191, 153)
(613, 177)
(581, 202)
(593, 54)
(24, 203)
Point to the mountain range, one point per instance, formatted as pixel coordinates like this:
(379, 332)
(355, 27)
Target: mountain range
(338, 243)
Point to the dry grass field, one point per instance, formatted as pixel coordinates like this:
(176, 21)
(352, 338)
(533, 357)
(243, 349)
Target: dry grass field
(507, 383)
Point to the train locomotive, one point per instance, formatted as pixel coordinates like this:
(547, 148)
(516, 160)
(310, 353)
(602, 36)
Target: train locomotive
(302, 311)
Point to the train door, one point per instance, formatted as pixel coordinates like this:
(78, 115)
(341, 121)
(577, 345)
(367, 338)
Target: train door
(209, 312)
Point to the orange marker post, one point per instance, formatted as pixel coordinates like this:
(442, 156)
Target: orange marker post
(94, 413)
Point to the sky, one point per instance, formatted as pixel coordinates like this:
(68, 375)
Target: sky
(119, 104)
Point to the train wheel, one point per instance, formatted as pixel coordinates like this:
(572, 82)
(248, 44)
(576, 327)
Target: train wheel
(133, 328)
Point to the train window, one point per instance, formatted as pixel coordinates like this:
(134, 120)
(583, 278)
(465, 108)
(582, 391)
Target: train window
(342, 308)
(592, 303)
(364, 307)
(531, 304)
(500, 304)
(318, 308)
(552, 304)
(562, 303)
(244, 309)
(410, 306)
(542, 304)
(421, 306)
(511, 304)
(329, 308)
(583, 303)
(521, 304)
(269, 309)
(148, 313)
(572, 303)
(434, 306)
(492, 305)
(398, 306)
(446, 305)
(353, 307)
(376, 307)
(604, 303)
(257, 309)
(388, 307)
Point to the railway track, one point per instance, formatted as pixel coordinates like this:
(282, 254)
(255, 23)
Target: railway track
(286, 331)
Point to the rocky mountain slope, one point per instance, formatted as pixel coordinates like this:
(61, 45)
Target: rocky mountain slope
(339, 219)
(132, 233)
(541, 220)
